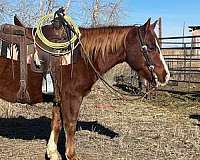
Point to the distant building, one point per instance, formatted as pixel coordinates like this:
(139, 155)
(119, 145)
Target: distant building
(196, 41)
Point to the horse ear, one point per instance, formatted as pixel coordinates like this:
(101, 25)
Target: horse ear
(18, 22)
(154, 24)
(147, 24)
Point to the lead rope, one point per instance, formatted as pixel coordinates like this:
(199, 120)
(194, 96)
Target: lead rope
(108, 86)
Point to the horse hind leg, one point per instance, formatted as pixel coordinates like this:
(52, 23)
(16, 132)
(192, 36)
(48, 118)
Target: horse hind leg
(56, 125)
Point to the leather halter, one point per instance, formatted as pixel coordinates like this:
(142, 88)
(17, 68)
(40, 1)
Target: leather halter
(148, 59)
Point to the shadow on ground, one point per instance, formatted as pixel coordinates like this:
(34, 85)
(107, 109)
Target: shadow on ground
(195, 116)
(39, 128)
(94, 126)
(26, 129)
(192, 95)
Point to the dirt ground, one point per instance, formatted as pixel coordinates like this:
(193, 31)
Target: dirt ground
(165, 128)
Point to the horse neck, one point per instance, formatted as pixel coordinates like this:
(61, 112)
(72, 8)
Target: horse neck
(103, 64)
(105, 46)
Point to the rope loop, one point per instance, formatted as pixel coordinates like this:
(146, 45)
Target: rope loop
(61, 45)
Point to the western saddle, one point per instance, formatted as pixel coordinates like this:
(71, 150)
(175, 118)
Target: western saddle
(16, 35)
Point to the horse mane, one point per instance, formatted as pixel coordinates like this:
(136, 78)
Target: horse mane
(103, 40)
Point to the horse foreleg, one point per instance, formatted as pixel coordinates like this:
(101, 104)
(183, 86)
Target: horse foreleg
(70, 150)
(56, 125)
(70, 116)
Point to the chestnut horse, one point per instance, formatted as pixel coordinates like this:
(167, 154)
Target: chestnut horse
(105, 47)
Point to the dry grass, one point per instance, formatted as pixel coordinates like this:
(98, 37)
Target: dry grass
(167, 127)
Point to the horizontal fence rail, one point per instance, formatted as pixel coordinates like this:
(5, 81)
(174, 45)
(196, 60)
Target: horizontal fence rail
(180, 37)
(182, 55)
(181, 59)
(180, 43)
(180, 48)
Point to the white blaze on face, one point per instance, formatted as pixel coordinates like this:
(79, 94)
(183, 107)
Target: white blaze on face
(164, 64)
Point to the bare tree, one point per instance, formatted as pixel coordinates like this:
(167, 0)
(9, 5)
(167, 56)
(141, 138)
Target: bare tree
(113, 14)
(5, 11)
(51, 5)
(2, 10)
(28, 11)
(86, 13)
(42, 7)
(101, 12)
(68, 4)
(95, 13)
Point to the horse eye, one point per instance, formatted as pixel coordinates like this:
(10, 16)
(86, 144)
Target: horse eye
(150, 47)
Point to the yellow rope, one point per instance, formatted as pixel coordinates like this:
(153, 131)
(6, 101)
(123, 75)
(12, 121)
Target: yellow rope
(54, 45)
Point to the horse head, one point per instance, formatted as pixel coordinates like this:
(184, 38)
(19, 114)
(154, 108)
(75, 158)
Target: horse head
(143, 54)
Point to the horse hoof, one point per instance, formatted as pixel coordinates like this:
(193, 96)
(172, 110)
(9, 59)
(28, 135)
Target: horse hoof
(52, 155)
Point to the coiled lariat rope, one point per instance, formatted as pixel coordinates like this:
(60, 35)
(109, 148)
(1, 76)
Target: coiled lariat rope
(58, 45)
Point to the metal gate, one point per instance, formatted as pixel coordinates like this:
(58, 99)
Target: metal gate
(182, 55)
